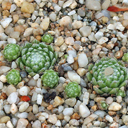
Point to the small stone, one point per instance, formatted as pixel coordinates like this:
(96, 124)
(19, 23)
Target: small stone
(28, 32)
(3, 78)
(58, 123)
(83, 110)
(119, 26)
(3, 36)
(52, 119)
(70, 59)
(109, 100)
(75, 116)
(125, 119)
(93, 5)
(85, 31)
(9, 124)
(115, 106)
(15, 35)
(98, 35)
(109, 118)
(31, 117)
(1, 85)
(73, 76)
(81, 71)
(81, 12)
(86, 98)
(22, 123)
(45, 23)
(35, 109)
(32, 82)
(15, 18)
(6, 5)
(1, 29)
(4, 119)
(10, 89)
(105, 4)
(73, 5)
(68, 111)
(71, 101)
(24, 91)
(69, 40)
(13, 8)
(13, 97)
(36, 124)
(96, 51)
(5, 22)
(77, 24)
(39, 98)
(58, 101)
(82, 60)
(27, 7)
(119, 99)
(52, 16)
(23, 106)
(13, 108)
(90, 119)
(74, 122)
(65, 21)
(59, 41)
(100, 113)
(67, 3)
(102, 40)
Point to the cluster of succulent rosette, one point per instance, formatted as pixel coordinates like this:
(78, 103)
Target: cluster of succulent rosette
(107, 75)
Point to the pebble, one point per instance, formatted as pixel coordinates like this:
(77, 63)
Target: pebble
(69, 40)
(9, 124)
(45, 23)
(86, 98)
(1, 85)
(77, 24)
(125, 119)
(73, 76)
(5, 22)
(3, 36)
(13, 97)
(89, 119)
(109, 118)
(36, 124)
(32, 82)
(35, 109)
(58, 101)
(13, 108)
(102, 40)
(3, 78)
(58, 123)
(70, 59)
(28, 32)
(52, 119)
(98, 35)
(114, 106)
(65, 21)
(81, 71)
(7, 108)
(13, 66)
(53, 16)
(39, 98)
(71, 101)
(68, 111)
(74, 122)
(67, 3)
(23, 106)
(119, 26)
(13, 8)
(22, 115)
(105, 4)
(82, 60)
(93, 5)
(83, 110)
(24, 91)
(1, 29)
(59, 41)
(119, 99)
(15, 35)
(85, 31)
(109, 100)
(22, 123)
(10, 89)
(27, 7)
(100, 113)
(4, 119)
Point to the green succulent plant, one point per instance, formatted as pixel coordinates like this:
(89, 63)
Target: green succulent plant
(73, 90)
(13, 77)
(36, 58)
(107, 76)
(125, 57)
(103, 105)
(11, 52)
(47, 38)
(50, 78)
(121, 93)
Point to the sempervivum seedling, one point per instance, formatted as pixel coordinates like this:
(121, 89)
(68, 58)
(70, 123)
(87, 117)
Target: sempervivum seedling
(107, 76)
(11, 52)
(73, 90)
(47, 38)
(125, 57)
(13, 77)
(36, 58)
(50, 78)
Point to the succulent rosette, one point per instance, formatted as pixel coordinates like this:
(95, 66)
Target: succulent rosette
(125, 57)
(36, 58)
(107, 76)
(47, 38)
(11, 52)
(50, 78)
(13, 77)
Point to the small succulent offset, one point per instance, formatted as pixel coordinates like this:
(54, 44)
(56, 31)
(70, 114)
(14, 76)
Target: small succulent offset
(11, 52)
(103, 105)
(47, 38)
(50, 78)
(73, 90)
(36, 58)
(121, 93)
(125, 57)
(13, 77)
(107, 76)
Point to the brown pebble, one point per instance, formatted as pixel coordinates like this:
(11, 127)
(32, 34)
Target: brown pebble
(15, 18)
(3, 96)
(60, 116)
(29, 125)
(94, 108)
(19, 28)
(75, 116)
(31, 117)
(110, 46)
(111, 113)
(38, 38)
(75, 65)
(6, 13)
(2, 63)
(124, 49)
(6, 5)
(50, 107)
(119, 54)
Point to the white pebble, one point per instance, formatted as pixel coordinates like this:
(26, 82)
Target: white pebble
(98, 35)
(39, 98)
(11, 41)
(1, 85)
(5, 22)
(52, 119)
(86, 98)
(93, 4)
(68, 111)
(109, 118)
(22, 123)
(24, 91)
(13, 8)
(67, 3)
(39, 84)
(36, 77)
(84, 111)
(82, 60)
(58, 123)
(36, 124)
(102, 40)
(22, 115)
(66, 20)
(73, 76)
(70, 59)
(35, 109)
(4, 69)
(9, 124)
(3, 36)
(85, 31)
(23, 106)
(115, 106)
(28, 32)
(34, 96)
(13, 97)
(119, 26)
(7, 108)
(13, 66)
(13, 108)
